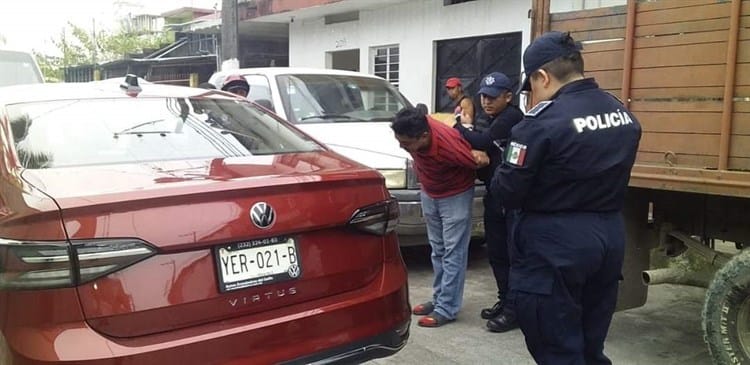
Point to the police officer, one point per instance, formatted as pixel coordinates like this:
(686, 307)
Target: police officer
(495, 94)
(566, 168)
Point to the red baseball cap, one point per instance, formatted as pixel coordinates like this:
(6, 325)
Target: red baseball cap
(452, 82)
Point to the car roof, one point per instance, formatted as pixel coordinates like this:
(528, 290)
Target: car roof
(98, 90)
(274, 71)
(15, 50)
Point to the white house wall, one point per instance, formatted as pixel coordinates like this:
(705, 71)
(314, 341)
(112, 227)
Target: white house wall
(413, 26)
(559, 6)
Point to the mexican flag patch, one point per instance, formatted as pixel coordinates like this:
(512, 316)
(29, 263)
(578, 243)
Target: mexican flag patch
(516, 154)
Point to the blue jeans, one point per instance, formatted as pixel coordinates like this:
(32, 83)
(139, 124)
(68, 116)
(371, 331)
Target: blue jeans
(448, 230)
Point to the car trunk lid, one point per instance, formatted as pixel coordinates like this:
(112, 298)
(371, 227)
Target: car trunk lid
(213, 262)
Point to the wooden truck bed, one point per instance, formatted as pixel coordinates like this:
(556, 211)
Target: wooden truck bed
(683, 68)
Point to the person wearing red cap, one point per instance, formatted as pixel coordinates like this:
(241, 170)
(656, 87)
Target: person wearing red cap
(463, 103)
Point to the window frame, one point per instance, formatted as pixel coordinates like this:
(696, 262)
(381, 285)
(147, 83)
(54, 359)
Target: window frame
(388, 64)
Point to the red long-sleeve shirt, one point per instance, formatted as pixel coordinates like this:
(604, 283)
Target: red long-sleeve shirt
(447, 167)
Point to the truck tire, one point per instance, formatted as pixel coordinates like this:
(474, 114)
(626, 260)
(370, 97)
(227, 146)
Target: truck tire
(726, 312)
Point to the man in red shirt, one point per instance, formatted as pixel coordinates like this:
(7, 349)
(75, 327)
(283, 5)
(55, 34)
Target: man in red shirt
(445, 164)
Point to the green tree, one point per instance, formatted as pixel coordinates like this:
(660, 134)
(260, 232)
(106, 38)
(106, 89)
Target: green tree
(51, 67)
(78, 46)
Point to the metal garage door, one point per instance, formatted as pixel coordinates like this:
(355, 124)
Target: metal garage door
(471, 58)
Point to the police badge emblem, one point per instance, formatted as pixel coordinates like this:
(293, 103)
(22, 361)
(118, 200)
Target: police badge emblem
(538, 108)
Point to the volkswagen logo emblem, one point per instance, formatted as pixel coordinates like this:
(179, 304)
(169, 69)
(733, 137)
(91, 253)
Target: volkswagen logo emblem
(262, 215)
(293, 271)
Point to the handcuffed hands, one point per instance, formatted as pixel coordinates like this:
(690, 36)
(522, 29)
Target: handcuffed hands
(466, 118)
(480, 158)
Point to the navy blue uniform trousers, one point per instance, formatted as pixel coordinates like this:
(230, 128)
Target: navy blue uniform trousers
(564, 276)
(496, 226)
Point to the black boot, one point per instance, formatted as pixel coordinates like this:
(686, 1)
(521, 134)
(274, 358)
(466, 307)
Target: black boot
(489, 313)
(502, 323)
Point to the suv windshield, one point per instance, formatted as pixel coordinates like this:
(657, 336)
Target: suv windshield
(18, 68)
(338, 98)
(108, 131)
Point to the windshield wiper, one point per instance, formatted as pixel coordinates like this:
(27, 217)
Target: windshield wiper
(332, 116)
(127, 130)
(252, 139)
(138, 133)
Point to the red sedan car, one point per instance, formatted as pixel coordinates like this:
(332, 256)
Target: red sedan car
(170, 225)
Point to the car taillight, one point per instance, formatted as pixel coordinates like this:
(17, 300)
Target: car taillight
(45, 265)
(380, 218)
(101, 257)
(31, 265)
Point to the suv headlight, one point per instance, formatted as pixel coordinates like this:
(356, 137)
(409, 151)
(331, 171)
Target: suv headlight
(394, 179)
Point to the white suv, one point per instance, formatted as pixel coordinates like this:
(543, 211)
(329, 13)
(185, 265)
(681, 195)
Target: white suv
(18, 68)
(351, 113)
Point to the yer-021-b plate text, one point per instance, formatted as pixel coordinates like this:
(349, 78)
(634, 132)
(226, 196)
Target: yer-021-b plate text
(258, 262)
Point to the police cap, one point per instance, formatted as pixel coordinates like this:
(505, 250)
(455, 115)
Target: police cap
(548, 47)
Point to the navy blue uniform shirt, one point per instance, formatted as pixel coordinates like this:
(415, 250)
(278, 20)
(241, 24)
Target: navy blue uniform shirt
(492, 139)
(572, 153)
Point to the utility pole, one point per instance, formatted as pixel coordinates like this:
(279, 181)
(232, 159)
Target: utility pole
(229, 32)
(93, 41)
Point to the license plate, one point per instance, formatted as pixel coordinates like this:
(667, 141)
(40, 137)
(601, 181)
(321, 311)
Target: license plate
(258, 262)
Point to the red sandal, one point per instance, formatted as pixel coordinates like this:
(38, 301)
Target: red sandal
(423, 309)
(433, 319)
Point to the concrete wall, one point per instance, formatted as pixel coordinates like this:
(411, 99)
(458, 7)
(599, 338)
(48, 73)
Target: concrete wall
(413, 26)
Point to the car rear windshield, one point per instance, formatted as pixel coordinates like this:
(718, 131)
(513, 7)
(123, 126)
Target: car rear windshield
(338, 98)
(109, 131)
(18, 68)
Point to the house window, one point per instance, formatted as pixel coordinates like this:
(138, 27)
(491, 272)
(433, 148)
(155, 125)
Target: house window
(386, 63)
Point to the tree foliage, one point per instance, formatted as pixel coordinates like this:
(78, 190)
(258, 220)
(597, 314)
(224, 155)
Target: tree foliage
(50, 66)
(79, 46)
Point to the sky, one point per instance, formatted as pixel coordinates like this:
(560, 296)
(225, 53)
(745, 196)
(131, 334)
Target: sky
(32, 24)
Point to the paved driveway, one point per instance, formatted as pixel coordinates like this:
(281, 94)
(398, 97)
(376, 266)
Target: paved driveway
(665, 331)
